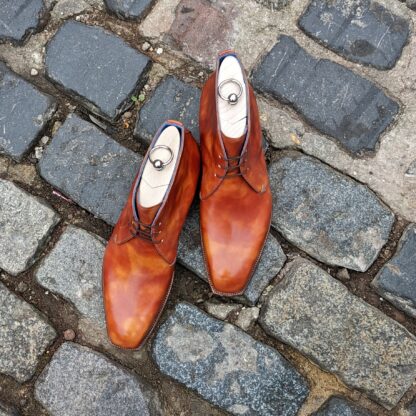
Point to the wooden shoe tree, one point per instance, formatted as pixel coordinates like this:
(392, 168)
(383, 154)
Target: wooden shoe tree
(154, 183)
(232, 118)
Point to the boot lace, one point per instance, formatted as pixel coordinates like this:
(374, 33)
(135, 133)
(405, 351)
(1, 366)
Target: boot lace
(146, 232)
(233, 164)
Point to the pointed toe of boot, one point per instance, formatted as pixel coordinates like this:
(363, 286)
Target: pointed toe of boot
(228, 281)
(130, 320)
(134, 297)
(129, 331)
(230, 266)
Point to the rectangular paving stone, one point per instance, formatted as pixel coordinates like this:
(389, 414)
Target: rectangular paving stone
(334, 99)
(90, 168)
(73, 270)
(128, 9)
(20, 18)
(80, 382)
(396, 281)
(226, 366)
(190, 255)
(24, 336)
(24, 111)
(338, 406)
(172, 100)
(317, 315)
(327, 214)
(95, 67)
(25, 224)
(362, 31)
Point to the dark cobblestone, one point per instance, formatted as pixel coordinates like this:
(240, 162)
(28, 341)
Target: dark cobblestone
(330, 216)
(96, 67)
(362, 31)
(338, 406)
(24, 111)
(226, 366)
(173, 100)
(128, 9)
(396, 281)
(20, 18)
(332, 98)
(90, 167)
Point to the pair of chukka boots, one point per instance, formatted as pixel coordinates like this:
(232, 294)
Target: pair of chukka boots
(235, 207)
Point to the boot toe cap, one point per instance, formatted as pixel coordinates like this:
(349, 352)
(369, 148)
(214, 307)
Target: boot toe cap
(228, 276)
(134, 298)
(129, 332)
(227, 284)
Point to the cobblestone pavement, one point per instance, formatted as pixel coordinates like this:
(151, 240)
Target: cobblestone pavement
(327, 326)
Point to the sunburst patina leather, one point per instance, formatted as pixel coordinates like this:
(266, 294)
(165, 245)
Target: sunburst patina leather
(236, 202)
(139, 259)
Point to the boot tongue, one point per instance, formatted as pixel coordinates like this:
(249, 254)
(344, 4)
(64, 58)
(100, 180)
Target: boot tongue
(233, 147)
(148, 214)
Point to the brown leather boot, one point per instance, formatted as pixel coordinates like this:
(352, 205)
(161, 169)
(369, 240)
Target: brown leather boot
(140, 257)
(235, 195)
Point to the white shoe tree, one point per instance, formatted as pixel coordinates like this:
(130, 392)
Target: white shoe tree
(154, 183)
(232, 118)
